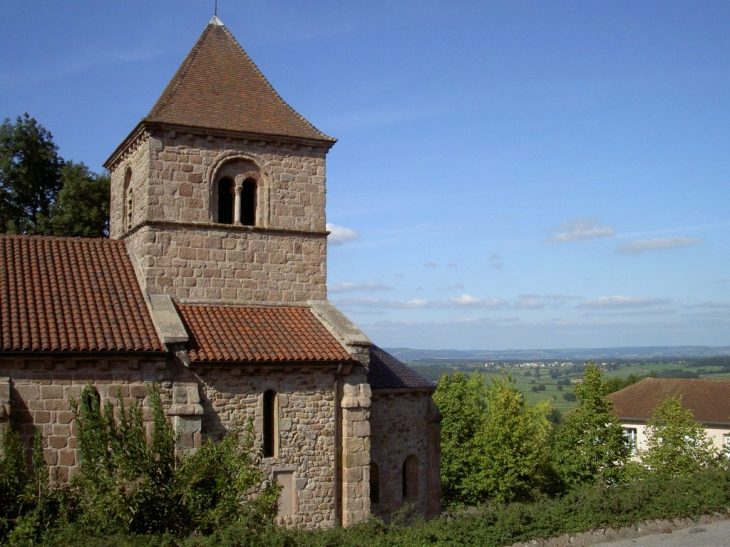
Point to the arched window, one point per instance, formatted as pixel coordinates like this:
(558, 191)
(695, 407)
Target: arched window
(226, 193)
(374, 483)
(128, 202)
(410, 477)
(270, 433)
(248, 202)
(236, 188)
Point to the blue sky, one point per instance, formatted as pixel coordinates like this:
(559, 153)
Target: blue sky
(509, 175)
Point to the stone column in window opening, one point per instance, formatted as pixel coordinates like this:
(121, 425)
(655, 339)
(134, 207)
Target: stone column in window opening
(237, 200)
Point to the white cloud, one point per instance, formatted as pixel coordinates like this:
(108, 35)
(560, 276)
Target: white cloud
(430, 265)
(340, 234)
(463, 301)
(576, 229)
(617, 302)
(552, 296)
(636, 247)
(367, 286)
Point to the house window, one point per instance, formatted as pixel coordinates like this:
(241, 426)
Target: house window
(226, 200)
(630, 434)
(270, 433)
(410, 477)
(374, 483)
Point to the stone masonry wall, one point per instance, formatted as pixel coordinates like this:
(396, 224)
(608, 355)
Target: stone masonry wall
(180, 251)
(137, 159)
(40, 392)
(356, 433)
(306, 429)
(173, 175)
(233, 266)
(405, 424)
(204, 402)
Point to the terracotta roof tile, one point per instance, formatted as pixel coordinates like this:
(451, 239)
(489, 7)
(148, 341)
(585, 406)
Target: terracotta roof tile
(218, 86)
(708, 399)
(258, 334)
(70, 295)
(388, 372)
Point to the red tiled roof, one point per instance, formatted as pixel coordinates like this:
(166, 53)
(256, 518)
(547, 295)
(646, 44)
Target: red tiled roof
(218, 86)
(258, 334)
(708, 399)
(71, 295)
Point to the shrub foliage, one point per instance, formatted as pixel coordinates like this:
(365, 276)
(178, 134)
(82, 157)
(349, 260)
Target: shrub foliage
(130, 481)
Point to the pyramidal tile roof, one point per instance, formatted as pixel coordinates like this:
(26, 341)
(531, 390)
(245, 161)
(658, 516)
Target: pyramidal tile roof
(218, 86)
(227, 333)
(708, 399)
(71, 295)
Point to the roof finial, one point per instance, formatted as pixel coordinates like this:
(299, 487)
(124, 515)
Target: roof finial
(215, 21)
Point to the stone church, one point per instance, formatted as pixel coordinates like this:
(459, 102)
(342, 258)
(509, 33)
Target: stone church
(213, 286)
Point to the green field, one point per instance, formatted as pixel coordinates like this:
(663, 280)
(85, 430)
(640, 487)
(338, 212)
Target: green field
(532, 377)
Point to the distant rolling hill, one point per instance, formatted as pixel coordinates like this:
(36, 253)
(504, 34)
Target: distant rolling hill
(648, 352)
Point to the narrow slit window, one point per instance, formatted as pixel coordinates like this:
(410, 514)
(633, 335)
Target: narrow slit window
(270, 424)
(128, 200)
(374, 483)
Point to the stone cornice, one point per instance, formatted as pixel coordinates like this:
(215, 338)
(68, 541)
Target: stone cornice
(144, 128)
(215, 227)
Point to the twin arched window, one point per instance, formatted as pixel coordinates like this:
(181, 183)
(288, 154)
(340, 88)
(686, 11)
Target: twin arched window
(236, 200)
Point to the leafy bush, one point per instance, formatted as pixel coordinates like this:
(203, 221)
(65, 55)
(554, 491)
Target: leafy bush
(132, 485)
(125, 484)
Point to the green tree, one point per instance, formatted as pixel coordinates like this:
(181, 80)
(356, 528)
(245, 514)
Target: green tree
(512, 442)
(493, 443)
(30, 174)
(460, 399)
(676, 444)
(590, 445)
(41, 193)
(82, 206)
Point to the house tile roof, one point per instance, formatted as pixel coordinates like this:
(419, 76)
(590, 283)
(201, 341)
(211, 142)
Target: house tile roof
(71, 295)
(387, 372)
(218, 86)
(708, 399)
(260, 334)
